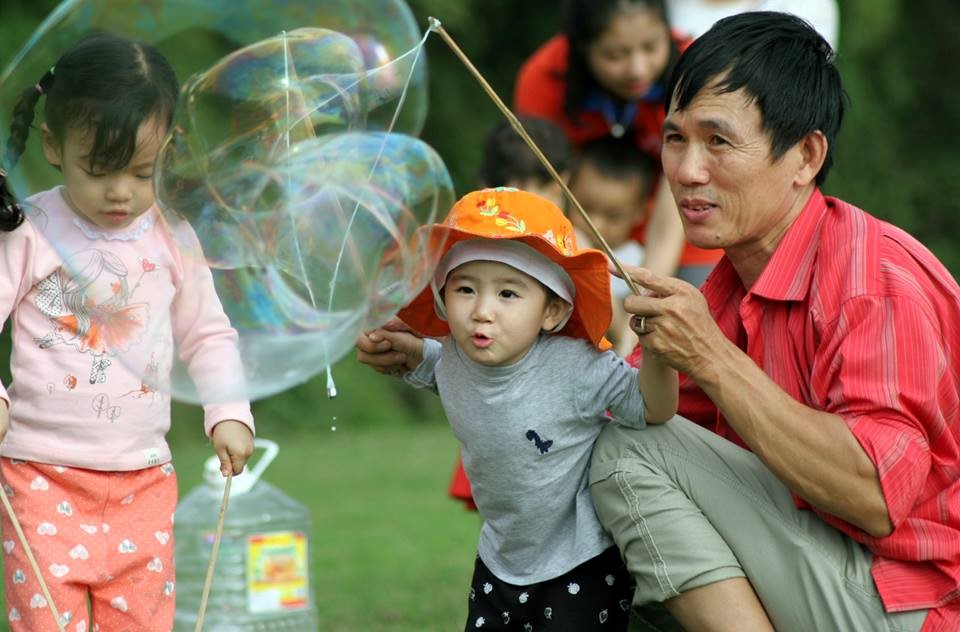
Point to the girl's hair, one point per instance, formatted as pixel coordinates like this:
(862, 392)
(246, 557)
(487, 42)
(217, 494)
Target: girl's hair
(586, 20)
(105, 83)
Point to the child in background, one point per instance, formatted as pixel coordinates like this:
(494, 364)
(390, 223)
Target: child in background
(526, 389)
(509, 162)
(85, 274)
(612, 180)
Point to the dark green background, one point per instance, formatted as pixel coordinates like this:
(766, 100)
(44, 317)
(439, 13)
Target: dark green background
(896, 156)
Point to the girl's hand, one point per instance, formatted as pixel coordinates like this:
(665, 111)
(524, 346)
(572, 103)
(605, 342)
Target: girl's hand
(233, 442)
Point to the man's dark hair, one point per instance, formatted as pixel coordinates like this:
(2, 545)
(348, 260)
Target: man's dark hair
(783, 64)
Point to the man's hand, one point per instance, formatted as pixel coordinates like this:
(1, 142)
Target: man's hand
(393, 350)
(673, 321)
(233, 442)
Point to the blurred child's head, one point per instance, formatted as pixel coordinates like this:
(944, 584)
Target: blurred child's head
(612, 180)
(509, 162)
(510, 268)
(108, 104)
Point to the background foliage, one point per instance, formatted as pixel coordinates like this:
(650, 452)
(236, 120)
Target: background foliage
(900, 61)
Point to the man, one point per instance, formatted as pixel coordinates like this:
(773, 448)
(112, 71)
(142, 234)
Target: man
(817, 486)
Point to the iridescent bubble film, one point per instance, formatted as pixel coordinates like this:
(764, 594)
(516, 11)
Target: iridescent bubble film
(196, 34)
(291, 171)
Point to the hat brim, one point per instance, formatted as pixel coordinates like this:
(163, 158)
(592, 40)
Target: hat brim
(592, 310)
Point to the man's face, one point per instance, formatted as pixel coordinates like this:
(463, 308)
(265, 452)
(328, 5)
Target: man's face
(730, 192)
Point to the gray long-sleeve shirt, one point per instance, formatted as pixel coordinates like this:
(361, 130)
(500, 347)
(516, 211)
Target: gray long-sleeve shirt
(526, 432)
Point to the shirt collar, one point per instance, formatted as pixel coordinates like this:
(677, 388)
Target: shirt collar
(786, 276)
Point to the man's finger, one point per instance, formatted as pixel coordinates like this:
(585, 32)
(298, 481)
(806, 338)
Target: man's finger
(662, 285)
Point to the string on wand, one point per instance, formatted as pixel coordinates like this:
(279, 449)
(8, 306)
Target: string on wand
(437, 28)
(213, 553)
(30, 558)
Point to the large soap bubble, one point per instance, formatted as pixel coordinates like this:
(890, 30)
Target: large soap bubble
(194, 35)
(291, 171)
(307, 219)
(313, 246)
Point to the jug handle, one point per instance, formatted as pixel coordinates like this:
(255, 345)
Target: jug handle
(270, 453)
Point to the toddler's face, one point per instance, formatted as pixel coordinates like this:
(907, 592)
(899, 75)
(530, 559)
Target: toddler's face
(496, 312)
(615, 206)
(113, 199)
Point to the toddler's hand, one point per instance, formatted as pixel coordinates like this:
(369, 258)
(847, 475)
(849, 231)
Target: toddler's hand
(392, 350)
(233, 443)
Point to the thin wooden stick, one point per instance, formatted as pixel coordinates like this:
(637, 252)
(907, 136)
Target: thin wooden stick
(213, 553)
(29, 552)
(438, 28)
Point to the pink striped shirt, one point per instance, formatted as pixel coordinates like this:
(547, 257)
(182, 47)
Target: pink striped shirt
(855, 317)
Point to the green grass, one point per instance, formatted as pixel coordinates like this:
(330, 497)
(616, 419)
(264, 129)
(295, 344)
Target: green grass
(389, 550)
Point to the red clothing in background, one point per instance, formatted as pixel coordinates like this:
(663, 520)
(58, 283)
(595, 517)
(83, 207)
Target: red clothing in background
(540, 90)
(854, 317)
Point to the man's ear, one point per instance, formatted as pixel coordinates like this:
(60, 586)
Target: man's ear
(813, 151)
(51, 148)
(555, 313)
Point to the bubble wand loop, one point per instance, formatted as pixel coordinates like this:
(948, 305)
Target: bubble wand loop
(29, 552)
(436, 27)
(213, 554)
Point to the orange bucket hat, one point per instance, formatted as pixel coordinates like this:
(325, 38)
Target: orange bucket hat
(506, 213)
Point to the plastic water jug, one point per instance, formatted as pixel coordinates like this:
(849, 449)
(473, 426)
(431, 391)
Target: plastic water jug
(262, 579)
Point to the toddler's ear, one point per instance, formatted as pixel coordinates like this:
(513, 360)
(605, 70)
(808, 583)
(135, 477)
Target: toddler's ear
(555, 315)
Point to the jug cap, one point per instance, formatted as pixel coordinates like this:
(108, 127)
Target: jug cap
(245, 480)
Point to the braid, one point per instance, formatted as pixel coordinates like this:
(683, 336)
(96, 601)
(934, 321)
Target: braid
(11, 215)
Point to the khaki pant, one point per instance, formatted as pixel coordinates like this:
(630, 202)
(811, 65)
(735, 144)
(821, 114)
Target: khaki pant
(688, 508)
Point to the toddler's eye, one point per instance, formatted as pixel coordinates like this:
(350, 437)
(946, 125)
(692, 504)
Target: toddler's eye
(508, 294)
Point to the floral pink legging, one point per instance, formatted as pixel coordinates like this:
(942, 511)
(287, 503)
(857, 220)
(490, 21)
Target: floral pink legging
(106, 534)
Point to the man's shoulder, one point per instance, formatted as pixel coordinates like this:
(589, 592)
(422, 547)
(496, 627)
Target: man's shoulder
(864, 255)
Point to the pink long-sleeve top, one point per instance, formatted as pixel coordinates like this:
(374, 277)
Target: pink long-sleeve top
(96, 317)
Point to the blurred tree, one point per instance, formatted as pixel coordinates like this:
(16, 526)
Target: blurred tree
(896, 157)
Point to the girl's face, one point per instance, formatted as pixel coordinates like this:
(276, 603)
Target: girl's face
(112, 199)
(496, 312)
(629, 56)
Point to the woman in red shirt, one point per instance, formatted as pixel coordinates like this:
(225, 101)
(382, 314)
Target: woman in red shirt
(604, 77)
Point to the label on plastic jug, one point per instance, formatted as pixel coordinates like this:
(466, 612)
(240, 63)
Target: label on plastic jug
(277, 572)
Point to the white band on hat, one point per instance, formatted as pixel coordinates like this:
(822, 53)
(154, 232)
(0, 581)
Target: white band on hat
(513, 253)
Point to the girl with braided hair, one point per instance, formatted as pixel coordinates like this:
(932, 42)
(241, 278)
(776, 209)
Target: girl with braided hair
(91, 270)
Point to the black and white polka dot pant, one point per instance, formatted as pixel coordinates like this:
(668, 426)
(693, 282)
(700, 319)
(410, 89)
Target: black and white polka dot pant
(593, 596)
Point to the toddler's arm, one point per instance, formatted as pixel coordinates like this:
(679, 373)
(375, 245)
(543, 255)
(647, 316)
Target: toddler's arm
(659, 385)
(233, 443)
